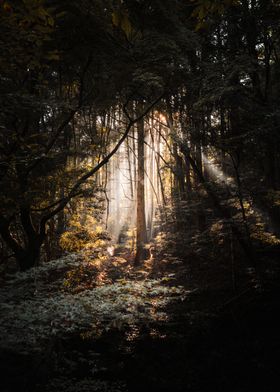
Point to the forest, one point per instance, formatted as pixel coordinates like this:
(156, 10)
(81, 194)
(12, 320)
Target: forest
(139, 195)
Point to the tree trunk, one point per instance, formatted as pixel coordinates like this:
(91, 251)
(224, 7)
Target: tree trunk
(26, 257)
(141, 231)
(30, 256)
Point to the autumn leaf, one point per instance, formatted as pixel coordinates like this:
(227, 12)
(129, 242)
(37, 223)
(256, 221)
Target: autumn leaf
(121, 20)
(7, 7)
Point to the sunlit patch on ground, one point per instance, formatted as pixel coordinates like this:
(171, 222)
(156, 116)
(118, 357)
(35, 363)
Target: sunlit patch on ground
(76, 305)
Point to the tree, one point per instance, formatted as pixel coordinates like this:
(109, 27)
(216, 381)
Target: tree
(141, 229)
(42, 94)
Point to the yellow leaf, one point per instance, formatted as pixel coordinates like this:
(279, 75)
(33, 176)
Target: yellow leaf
(115, 19)
(121, 20)
(50, 21)
(53, 56)
(126, 26)
(7, 7)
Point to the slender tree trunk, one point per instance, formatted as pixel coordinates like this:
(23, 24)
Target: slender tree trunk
(141, 231)
(129, 169)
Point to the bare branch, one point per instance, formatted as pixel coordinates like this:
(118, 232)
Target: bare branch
(95, 169)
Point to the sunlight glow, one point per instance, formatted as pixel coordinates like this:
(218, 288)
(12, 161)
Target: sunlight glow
(120, 195)
(213, 169)
(121, 187)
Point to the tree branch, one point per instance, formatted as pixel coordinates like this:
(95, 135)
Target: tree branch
(66, 121)
(95, 169)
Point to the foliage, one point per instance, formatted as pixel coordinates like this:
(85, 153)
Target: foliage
(84, 231)
(46, 316)
(26, 29)
(205, 8)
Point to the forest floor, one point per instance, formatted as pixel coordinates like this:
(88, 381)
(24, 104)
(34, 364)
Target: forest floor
(97, 323)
